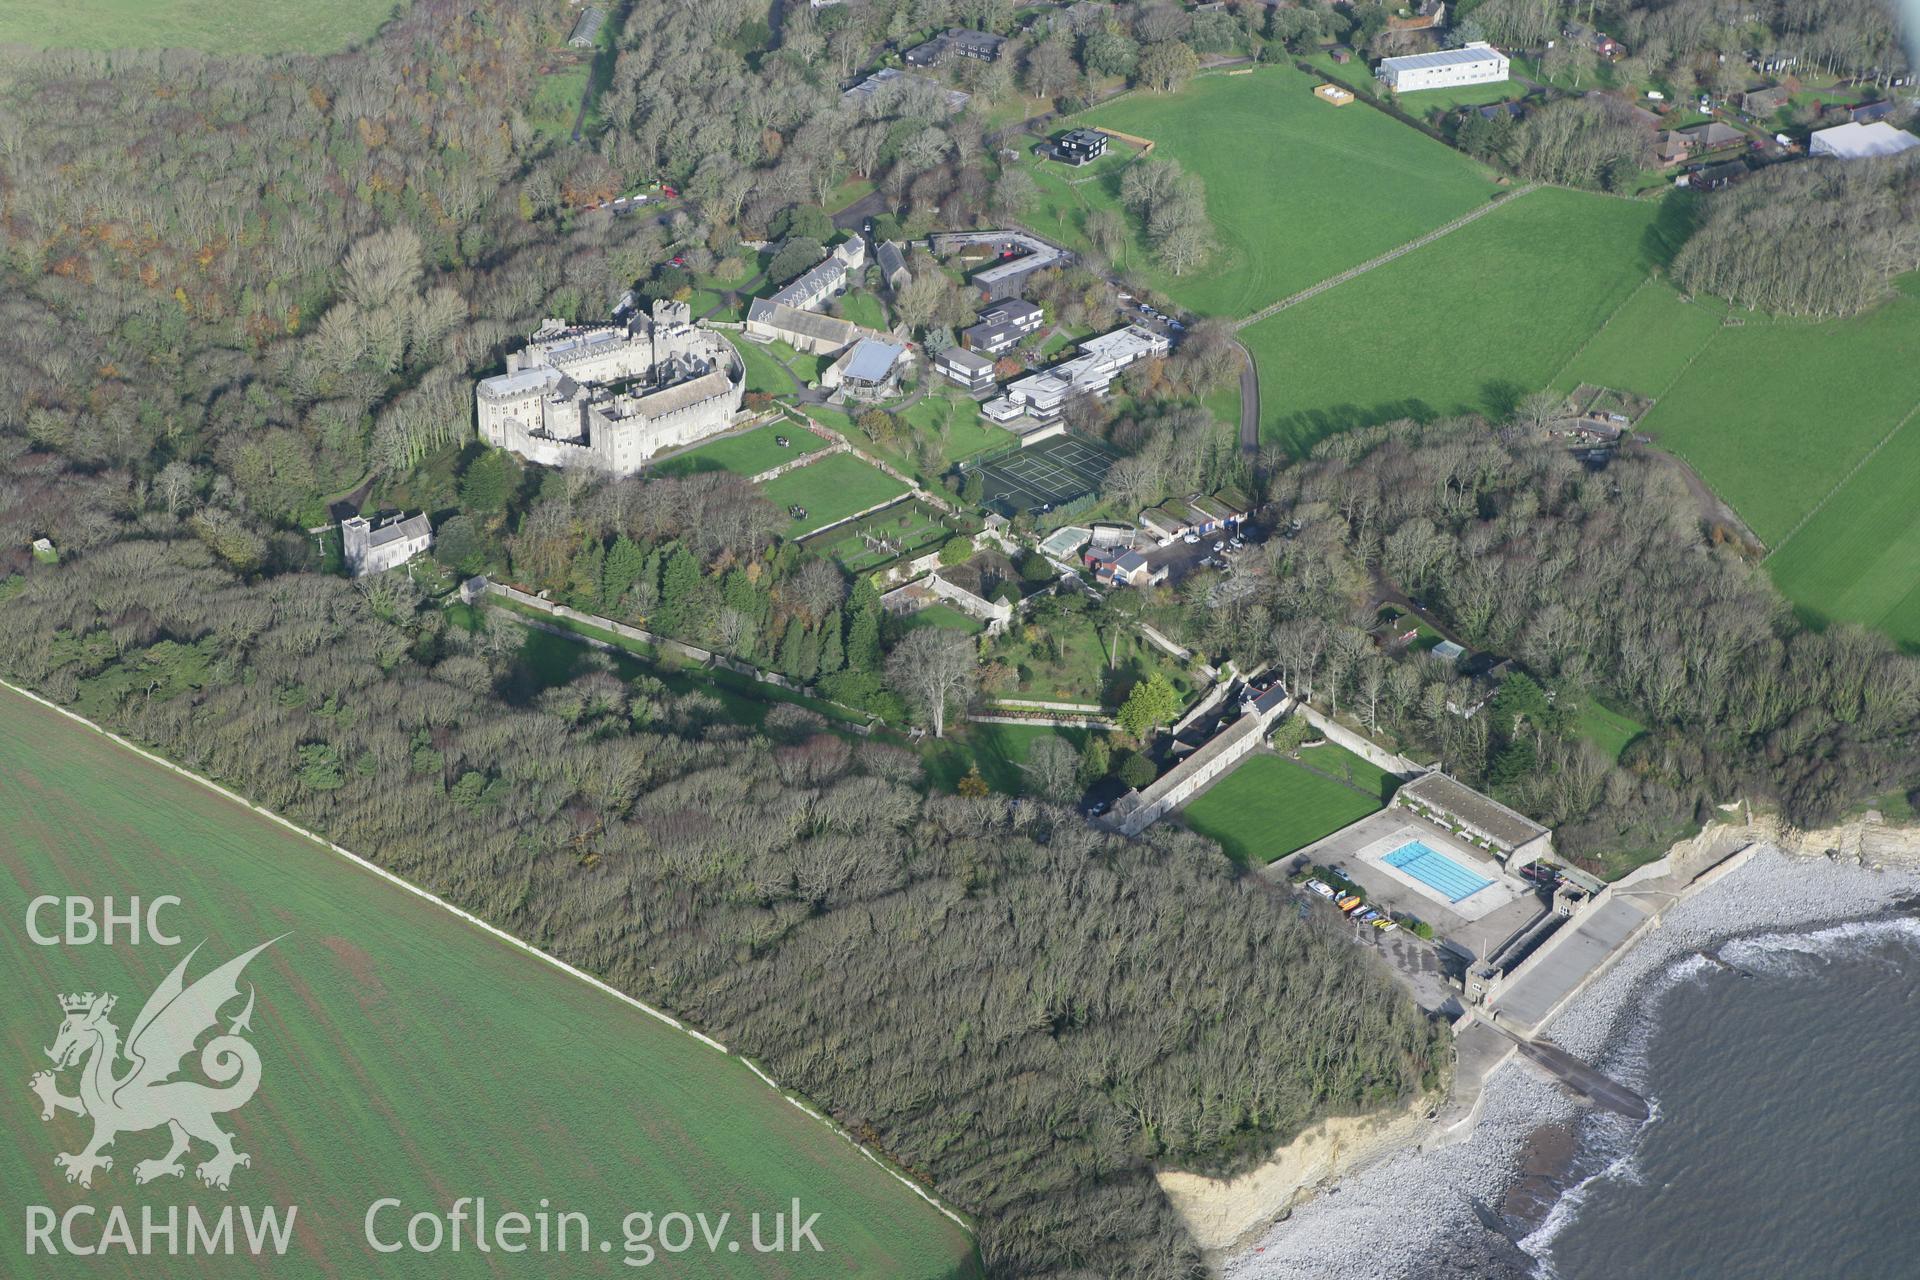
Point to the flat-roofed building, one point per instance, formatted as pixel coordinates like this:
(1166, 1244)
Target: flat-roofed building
(1861, 141)
(965, 368)
(1476, 63)
(1043, 395)
(1481, 819)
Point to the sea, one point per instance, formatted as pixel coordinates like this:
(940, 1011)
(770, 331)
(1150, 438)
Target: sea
(1784, 1073)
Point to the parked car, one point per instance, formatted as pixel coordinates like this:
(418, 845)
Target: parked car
(1322, 888)
(1191, 539)
(1219, 546)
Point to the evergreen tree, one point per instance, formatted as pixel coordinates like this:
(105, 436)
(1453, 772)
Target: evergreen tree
(679, 587)
(832, 655)
(625, 563)
(583, 581)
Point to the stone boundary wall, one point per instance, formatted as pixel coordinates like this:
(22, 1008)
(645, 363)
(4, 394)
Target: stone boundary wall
(469, 592)
(1367, 750)
(1185, 779)
(774, 473)
(1047, 722)
(1088, 708)
(1207, 703)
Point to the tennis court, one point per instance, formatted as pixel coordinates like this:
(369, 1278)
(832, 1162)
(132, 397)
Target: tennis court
(1046, 475)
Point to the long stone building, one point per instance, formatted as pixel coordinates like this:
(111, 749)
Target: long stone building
(609, 397)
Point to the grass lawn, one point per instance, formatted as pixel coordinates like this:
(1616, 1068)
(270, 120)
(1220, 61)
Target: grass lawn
(1773, 415)
(1078, 671)
(863, 308)
(216, 26)
(942, 616)
(953, 418)
(830, 489)
(1648, 342)
(764, 373)
(556, 99)
(1224, 404)
(747, 454)
(1271, 806)
(999, 750)
(1469, 323)
(1608, 729)
(1298, 190)
(405, 1052)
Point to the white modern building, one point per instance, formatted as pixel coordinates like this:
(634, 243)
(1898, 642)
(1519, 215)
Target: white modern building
(1861, 141)
(608, 397)
(1477, 63)
(1042, 395)
(374, 548)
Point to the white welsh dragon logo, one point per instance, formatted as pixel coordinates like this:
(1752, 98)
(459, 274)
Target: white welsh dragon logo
(147, 1095)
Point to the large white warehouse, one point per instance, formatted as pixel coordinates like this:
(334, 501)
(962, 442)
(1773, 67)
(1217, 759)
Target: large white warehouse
(1861, 141)
(1477, 63)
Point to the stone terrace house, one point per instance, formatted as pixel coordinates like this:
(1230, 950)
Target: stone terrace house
(815, 286)
(608, 397)
(804, 331)
(375, 548)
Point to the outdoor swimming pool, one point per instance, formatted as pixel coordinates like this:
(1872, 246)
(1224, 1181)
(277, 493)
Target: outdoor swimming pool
(1437, 871)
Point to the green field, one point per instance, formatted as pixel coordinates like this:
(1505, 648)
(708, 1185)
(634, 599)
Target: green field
(1647, 343)
(1773, 415)
(1469, 323)
(747, 454)
(830, 489)
(1298, 190)
(1271, 806)
(405, 1053)
(863, 308)
(217, 26)
(1859, 559)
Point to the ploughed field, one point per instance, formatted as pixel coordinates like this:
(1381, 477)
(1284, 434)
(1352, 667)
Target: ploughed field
(405, 1053)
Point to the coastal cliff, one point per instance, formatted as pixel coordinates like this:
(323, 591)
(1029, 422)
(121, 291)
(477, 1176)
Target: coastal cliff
(1225, 1215)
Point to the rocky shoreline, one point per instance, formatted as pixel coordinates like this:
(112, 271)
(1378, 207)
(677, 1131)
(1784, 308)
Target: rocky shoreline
(1490, 1205)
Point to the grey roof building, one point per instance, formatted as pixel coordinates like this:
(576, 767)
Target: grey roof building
(893, 265)
(371, 548)
(958, 42)
(586, 28)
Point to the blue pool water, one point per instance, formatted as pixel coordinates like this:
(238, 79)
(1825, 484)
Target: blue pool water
(1437, 871)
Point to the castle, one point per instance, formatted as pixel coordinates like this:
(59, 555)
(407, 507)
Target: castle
(611, 396)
